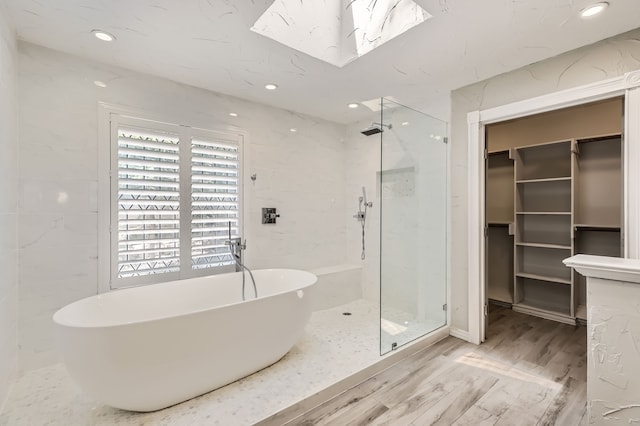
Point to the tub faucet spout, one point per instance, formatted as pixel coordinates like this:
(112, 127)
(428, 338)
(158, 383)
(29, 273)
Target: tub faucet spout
(235, 249)
(236, 246)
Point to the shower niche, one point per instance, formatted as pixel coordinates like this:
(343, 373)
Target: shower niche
(554, 189)
(397, 182)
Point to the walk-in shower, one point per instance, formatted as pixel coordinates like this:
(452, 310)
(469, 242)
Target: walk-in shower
(413, 222)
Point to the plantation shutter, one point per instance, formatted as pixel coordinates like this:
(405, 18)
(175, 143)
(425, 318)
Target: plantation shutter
(215, 200)
(148, 202)
(159, 171)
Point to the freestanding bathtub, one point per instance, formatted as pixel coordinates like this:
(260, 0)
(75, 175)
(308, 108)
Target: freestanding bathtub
(146, 348)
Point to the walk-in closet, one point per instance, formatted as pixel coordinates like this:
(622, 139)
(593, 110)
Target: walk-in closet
(554, 184)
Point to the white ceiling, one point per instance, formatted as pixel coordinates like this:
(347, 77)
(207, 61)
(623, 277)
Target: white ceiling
(208, 44)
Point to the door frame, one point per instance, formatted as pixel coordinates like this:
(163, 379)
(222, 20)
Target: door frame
(627, 85)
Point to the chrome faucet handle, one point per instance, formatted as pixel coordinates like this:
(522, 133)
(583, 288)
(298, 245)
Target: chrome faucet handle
(234, 241)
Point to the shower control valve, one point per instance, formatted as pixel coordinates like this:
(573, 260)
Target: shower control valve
(269, 215)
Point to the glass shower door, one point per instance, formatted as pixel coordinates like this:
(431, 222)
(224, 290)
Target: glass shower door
(413, 225)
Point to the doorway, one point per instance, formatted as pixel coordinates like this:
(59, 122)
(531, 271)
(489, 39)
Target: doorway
(553, 189)
(626, 86)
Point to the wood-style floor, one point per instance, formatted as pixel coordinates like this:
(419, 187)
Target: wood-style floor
(530, 371)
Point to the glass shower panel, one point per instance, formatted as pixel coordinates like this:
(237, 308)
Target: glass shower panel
(413, 225)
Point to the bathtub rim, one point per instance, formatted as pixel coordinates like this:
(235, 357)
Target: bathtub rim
(56, 318)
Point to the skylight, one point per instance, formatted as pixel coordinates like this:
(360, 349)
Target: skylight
(338, 31)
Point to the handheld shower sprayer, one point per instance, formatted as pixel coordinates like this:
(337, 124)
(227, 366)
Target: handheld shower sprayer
(361, 214)
(364, 198)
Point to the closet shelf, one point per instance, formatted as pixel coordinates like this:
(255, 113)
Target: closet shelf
(499, 223)
(587, 227)
(546, 213)
(544, 245)
(544, 278)
(552, 179)
(544, 311)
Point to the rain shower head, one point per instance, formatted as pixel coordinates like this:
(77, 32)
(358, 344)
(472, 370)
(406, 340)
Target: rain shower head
(375, 128)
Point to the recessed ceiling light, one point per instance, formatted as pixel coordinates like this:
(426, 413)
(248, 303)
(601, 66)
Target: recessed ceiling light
(594, 9)
(271, 86)
(353, 105)
(293, 130)
(103, 35)
(233, 114)
(100, 83)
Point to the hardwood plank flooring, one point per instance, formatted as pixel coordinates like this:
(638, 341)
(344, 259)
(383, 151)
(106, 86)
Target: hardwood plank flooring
(530, 371)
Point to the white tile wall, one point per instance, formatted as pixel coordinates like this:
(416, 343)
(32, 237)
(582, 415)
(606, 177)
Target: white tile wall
(606, 59)
(8, 205)
(363, 160)
(301, 174)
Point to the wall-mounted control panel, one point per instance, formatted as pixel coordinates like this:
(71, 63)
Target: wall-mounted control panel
(269, 215)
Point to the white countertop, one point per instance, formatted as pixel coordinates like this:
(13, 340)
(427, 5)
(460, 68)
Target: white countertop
(611, 268)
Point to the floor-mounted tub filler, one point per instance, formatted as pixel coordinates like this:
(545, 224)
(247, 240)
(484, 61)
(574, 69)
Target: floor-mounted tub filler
(146, 348)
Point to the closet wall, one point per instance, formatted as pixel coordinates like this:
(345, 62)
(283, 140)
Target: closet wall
(554, 189)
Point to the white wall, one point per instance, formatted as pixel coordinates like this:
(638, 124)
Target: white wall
(613, 360)
(606, 59)
(302, 174)
(8, 204)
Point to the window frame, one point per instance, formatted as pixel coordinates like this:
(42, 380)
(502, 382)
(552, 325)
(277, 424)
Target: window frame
(110, 117)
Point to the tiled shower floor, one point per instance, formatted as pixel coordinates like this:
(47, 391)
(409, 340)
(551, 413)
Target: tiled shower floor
(333, 347)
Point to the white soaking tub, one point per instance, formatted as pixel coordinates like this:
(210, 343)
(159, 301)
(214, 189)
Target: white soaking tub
(146, 348)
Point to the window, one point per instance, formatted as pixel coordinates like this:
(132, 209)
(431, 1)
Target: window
(175, 194)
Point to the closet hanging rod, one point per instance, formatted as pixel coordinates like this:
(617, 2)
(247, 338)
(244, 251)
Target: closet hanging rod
(597, 228)
(599, 138)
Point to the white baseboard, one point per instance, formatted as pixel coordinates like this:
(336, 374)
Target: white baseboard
(460, 334)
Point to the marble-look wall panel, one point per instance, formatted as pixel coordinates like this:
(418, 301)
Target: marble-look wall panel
(605, 59)
(8, 205)
(363, 162)
(299, 173)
